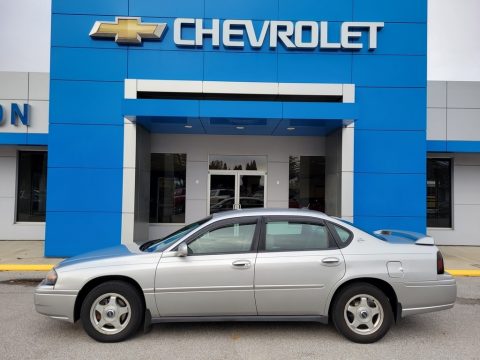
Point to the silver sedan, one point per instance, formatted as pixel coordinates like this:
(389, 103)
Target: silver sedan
(253, 265)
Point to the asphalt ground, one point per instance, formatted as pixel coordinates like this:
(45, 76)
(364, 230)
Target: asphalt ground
(450, 334)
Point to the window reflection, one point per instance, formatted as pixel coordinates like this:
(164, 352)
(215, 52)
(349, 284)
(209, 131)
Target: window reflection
(234, 162)
(307, 182)
(439, 193)
(32, 186)
(167, 188)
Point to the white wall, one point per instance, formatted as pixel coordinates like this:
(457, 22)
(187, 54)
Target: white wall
(466, 203)
(25, 35)
(453, 46)
(25, 88)
(199, 147)
(453, 111)
(9, 229)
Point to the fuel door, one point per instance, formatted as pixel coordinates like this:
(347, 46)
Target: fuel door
(395, 269)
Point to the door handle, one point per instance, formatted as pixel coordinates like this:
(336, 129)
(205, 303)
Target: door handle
(330, 261)
(241, 264)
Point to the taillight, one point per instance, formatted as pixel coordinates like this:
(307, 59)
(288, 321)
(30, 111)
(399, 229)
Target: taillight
(440, 266)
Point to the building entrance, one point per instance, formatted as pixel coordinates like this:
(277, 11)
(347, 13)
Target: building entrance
(236, 189)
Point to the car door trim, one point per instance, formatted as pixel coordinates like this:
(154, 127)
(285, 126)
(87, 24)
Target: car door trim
(312, 318)
(289, 287)
(204, 289)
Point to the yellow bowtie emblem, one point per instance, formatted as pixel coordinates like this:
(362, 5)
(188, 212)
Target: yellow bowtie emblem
(127, 30)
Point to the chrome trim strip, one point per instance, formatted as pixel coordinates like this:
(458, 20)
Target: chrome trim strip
(40, 291)
(289, 287)
(433, 283)
(426, 308)
(315, 318)
(429, 286)
(203, 289)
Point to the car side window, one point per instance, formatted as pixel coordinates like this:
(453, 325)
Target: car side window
(297, 236)
(343, 234)
(232, 238)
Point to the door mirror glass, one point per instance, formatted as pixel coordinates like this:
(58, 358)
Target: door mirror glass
(182, 249)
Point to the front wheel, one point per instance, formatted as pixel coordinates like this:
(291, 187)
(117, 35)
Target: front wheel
(362, 313)
(112, 311)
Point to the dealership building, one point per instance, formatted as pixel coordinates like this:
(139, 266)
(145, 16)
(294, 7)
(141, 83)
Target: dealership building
(158, 113)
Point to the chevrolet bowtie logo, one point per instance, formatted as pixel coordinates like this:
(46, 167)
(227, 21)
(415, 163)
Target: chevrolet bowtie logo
(127, 30)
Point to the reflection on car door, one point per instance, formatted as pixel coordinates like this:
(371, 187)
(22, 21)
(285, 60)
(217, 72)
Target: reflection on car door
(216, 278)
(297, 264)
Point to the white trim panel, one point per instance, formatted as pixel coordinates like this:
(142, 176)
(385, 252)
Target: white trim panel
(249, 88)
(170, 86)
(130, 89)
(347, 180)
(310, 89)
(128, 191)
(224, 87)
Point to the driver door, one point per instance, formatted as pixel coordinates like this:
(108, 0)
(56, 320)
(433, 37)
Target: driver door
(216, 278)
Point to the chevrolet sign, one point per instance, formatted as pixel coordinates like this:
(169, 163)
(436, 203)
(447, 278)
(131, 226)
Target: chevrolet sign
(231, 33)
(300, 34)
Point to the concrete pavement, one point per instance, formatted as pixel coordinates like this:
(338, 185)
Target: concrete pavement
(24, 252)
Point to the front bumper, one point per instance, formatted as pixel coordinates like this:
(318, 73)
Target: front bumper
(427, 296)
(58, 304)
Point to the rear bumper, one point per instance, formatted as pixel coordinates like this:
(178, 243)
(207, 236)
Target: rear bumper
(56, 304)
(427, 296)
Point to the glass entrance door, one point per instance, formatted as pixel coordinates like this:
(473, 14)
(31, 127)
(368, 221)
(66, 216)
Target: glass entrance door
(222, 192)
(233, 189)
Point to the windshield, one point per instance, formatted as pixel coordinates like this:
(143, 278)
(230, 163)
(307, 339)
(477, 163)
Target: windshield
(162, 244)
(380, 237)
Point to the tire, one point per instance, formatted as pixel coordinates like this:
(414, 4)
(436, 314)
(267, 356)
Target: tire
(112, 311)
(362, 313)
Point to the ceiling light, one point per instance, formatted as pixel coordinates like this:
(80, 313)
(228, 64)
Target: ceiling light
(188, 126)
(290, 128)
(239, 127)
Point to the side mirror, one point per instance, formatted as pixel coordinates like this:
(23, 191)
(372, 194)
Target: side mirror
(182, 249)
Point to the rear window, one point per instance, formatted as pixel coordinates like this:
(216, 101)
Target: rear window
(343, 234)
(380, 237)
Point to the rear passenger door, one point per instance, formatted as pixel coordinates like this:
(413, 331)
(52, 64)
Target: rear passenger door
(297, 264)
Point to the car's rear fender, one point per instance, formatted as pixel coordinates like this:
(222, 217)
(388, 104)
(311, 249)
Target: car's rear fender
(380, 283)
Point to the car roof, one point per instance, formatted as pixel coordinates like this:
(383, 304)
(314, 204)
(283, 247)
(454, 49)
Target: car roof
(268, 212)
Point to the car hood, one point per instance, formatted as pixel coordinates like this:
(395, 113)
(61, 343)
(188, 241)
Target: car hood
(102, 254)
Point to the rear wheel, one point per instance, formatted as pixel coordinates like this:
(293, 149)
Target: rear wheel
(362, 313)
(112, 311)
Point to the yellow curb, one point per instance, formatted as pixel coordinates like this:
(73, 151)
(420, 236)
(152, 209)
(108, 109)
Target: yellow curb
(25, 267)
(464, 272)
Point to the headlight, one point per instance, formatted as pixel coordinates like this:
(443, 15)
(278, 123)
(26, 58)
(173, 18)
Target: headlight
(51, 278)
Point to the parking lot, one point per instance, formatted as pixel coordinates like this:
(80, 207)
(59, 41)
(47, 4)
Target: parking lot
(451, 334)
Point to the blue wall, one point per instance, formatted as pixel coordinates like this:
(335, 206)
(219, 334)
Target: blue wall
(86, 123)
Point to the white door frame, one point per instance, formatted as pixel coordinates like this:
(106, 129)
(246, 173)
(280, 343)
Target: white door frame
(237, 174)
